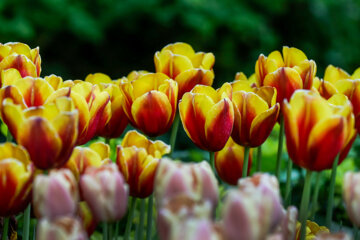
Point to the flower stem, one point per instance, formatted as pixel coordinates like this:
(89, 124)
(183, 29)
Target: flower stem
(355, 233)
(288, 183)
(258, 159)
(149, 217)
(140, 232)
(280, 147)
(329, 210)
(305, 204)
(174, 131)
(246, 162)
(8, 136)
(130, 218)
(105, 231)
(26, 224)
(314, 204)
(212, 161)
(116, 229)
(5, 230)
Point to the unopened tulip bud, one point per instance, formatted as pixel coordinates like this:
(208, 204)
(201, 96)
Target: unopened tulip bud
(55, 195)
(351, 195)
(63, 228)
(105, 192)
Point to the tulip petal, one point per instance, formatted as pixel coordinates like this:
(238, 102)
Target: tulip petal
(333, 74)
(101, 148)
(293, 56)
(12, 116)
(20, 62)
(188, 79)
(147, 177)
(9, 76)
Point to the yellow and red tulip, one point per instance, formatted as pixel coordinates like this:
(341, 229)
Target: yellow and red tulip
(180, 62)
(48, 132)
(118, 120)
(207, 116)
(95, 155)
(88, 221)
(229, 162)
(287, 72)
(17, 174)
(20, 58)
(150, 102)
(138, 159)
(312, 230)
(255, 114)
(317, 130)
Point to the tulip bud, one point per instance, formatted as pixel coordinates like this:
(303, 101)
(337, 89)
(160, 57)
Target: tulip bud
(105, 192)
(195, 180)
(17, 174)
(55, 195)
(63, 228)
(351, 196)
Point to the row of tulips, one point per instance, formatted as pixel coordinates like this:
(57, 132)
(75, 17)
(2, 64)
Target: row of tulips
(49, 118)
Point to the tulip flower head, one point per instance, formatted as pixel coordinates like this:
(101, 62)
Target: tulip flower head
(229, 162)
(118, 120)
(55, 195)
(287, 72)
(19, 57)
(47, 132)
(180, 62)
(138, 159)
(17, 173)
(351, 196)
(312, 230)
(317, 130)
(150, 102)
(207, 116)
(105, 191)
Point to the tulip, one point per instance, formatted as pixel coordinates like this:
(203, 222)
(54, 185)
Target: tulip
(137, 159)
(180, 62)
(63, 228)
(20, 58)
(55, 195)
(47, 132)
(208, 116)
(150, 102)
(196, 229)
(352, 196)
(88, 221)
(105, 191)
(17, 173)
(317, 130)
(287, 72)
(229, 162)
(312, 230)
(95, 155)
(195, 180)
(118, 120)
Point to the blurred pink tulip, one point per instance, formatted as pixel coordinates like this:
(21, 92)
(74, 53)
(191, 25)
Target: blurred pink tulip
(351, 194)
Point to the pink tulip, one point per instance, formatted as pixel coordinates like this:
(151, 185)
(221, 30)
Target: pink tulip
(351, 194)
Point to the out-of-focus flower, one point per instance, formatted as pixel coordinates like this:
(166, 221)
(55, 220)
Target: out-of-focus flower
(20, 58)
(333, 236)
(191, 229)
(180, 62)
(95, 155)
(150, 102)
(317, 130)
(55, 195)
(287, 72)
(47, 132)
(137, 159)
(118, 120)
(351, 195)
(88, 221)
(312, 230)
(17, 173)
(254, 210)
(255, 112)
(63, 228)
(105, 192)
(229, 162)
(195, 180)
(207, 116)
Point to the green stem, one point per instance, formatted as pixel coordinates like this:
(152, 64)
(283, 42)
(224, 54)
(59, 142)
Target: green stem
(246, 162)
(26, 223)
(314, 204)
(8, 136)
(356, 231)
(130, 219)
(6, 228)
(305, 204)
(212, 161)
(280, 147)
(107, 141)
(329, 210)
(117, 229)
(258, 159)
(288, 183)
(174, 131)
(105, 231)
(149, 218)
(140, 232)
